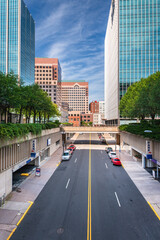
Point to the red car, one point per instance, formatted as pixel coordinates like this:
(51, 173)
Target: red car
(116, 161)
(72, 147)
(71, 150)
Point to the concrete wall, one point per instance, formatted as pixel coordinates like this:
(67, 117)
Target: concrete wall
(5, 183)
(138, 143)
(17, 153)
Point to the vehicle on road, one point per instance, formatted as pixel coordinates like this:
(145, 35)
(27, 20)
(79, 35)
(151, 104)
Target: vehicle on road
(66, 155)
(71, 150)
(72, 146)
(112, 154)
(108, 149)
(116, 161)
(103, 140)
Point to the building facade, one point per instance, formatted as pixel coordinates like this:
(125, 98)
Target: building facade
(102, 107)
(94, 107)
(132, 49)
(48, 75)
(76, 95)
(74, 117)
(17, 40)
(87, 117)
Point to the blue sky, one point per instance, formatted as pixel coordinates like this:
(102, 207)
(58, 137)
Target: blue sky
(74, 32)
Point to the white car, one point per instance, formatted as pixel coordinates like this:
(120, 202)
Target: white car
(66, 155)
(112, 154)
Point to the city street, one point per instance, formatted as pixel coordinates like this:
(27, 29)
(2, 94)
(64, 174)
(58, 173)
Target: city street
(89, 198)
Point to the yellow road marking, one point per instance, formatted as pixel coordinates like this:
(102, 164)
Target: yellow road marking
(58, 164)
(122, 165)
(25, 174)
(31, 203)
(89, 222)
(153, 210)
(11, 234)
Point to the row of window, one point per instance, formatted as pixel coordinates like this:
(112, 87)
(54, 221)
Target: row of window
(44, 67)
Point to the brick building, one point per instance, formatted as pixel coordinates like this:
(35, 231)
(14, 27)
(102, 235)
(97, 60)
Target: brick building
(48, 75)
(74, 117)
(94, 107)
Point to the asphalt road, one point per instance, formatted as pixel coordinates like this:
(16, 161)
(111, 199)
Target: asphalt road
(87, 198)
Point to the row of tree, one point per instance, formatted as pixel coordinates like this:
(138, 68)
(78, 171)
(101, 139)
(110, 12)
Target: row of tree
(29, 101)
(142, 99)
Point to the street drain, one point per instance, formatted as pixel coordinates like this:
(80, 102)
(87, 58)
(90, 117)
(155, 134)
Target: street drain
(60, 231)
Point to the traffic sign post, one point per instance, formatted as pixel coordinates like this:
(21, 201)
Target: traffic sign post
(38, 172)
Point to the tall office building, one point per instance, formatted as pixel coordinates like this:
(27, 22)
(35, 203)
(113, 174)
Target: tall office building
(132, 49)
(75, 93)
(48, 75)
(17, 40)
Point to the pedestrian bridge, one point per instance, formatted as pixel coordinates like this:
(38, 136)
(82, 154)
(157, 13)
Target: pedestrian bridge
(107, 129)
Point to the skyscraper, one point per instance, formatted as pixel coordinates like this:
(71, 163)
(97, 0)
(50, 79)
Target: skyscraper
(132, 49)
(17, 40)
(48, 75)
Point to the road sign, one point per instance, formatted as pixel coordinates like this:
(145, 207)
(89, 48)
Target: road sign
(148, 149)
(38, 172)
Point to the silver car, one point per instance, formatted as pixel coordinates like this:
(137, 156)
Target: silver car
(112, 154)
(66, 155)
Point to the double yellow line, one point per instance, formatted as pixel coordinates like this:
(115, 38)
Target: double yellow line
(89, 219)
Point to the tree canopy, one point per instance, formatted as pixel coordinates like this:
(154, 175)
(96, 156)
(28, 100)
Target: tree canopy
(30, 101)
(142, 98)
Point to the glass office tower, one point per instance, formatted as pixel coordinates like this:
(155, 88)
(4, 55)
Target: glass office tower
(132, 48)
(17, 40)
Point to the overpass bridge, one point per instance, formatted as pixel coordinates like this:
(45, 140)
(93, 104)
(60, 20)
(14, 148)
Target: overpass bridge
(107, 129)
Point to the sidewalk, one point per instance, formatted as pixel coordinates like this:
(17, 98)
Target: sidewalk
(147, 185)
(19, 202)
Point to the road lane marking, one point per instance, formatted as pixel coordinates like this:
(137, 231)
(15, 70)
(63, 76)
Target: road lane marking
(106, 165)
(58, 164)
(31, 203)
(89, 217)
(10, 235)
(101, 152)
(154, 210)
(75, 160)
(117, 199)
(67, 183)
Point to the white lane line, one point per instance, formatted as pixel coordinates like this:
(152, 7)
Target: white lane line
(75, 160)
(67, 183)
(117, 199)
(101, 152)
(106, 165)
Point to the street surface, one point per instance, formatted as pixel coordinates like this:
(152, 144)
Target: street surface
(87, 198)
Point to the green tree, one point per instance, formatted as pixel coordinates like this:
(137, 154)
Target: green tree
(8, 93)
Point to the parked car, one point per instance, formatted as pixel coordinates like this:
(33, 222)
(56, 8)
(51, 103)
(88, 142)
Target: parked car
(108, 149)
(72, 146)
(112, 154)
(66, 155)
(71, 150)
(116, 161)
(103, 140)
